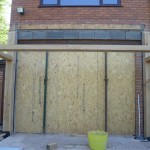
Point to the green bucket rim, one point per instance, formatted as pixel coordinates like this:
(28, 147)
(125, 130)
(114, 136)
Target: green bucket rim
(97, 132)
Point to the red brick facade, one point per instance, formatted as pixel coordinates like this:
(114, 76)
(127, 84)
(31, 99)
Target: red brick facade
(139, 91)
(130, 12)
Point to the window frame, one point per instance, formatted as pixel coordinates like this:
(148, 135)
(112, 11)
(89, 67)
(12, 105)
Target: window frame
(100, 4)
(118, 3)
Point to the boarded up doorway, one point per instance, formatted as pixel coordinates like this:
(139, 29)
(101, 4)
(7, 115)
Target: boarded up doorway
(76, 92)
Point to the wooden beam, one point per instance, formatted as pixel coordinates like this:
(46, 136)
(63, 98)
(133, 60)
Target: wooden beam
(77, 48)
(146, 76)
(9, 86)
(5, 56)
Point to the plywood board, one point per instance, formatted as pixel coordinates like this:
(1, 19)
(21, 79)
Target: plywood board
(121, 93)
(147, 101)
(146, 74)
(75, 102)
(75, 94)
(29, 96)
(52, 94)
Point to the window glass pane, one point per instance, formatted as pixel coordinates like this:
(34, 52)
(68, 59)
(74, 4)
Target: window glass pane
(110, 1)
(79, 2)
(49, 1)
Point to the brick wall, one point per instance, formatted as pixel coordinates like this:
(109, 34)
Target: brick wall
(139, 91)
(131, 12)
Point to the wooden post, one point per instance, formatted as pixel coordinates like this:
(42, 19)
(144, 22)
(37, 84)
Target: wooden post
(146, 41)
(9, 87)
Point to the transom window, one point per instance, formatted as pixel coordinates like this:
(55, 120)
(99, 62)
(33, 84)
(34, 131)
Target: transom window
(81, 2)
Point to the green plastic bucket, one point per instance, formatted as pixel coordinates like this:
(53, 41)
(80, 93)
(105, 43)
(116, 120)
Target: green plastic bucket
(97, 140)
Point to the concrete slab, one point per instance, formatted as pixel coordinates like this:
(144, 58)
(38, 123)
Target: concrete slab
(67, 142)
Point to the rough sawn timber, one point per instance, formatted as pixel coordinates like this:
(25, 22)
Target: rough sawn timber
(77, 48)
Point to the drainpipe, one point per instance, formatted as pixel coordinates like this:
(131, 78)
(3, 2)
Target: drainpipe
(106, 92)
(45, 93)
(139, 113)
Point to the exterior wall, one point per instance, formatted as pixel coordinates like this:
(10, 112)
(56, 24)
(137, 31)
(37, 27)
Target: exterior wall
(131, 12)
(139, 91)
(62, 93)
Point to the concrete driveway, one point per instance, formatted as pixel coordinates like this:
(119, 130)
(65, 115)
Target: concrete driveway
(66, 142)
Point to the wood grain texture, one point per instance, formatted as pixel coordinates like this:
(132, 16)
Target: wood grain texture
(147, 101)
(52, 94)
(9, 96)
(75, 95)
(9, 86)
(121, 93)
(75, 92)
(146, 41)
(6, 56)
(76, 48)
(29, 97)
